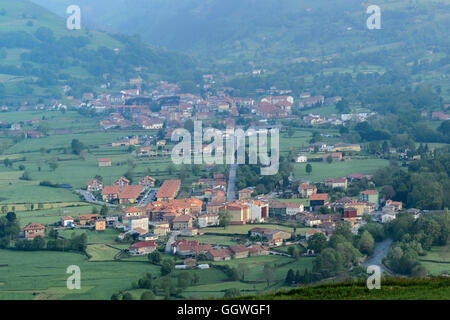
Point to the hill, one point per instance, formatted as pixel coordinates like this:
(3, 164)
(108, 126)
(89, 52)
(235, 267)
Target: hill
(391, 289)
(39, 55)
(262, 31)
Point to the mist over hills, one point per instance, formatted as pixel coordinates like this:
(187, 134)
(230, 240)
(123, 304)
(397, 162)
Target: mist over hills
(269, 31)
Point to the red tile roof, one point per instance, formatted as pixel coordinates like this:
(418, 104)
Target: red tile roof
(319, 196)
(140, 245)
(110, 190)
(169, 189)
(130, 192)
(34, 226)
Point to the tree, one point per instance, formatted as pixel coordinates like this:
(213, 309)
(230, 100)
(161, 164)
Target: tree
(127, 296)
(388, 192)
(184, 280)
(317, 242)
(308, 168)
(294, 251)
(224, 218)
(329, 159)
(268, 274)
(231, 293)
(242, 269)
(154, 257)
(290, 132)
(115, 296)
(7, 163)
(167, 266)
(148, 295)
(77, 146)
(290, 277)
(366, 243)
(104, 210)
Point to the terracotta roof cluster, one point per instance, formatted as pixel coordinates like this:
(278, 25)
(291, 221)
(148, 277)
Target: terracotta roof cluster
(110, 190)
(169, 189)
(34, 226)
(130, 192)
(319, 196)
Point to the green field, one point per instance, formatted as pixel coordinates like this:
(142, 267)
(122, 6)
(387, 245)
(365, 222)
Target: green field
(391, 289)
(437, 260)
(322, 170)
(243, 229)
(50, 216)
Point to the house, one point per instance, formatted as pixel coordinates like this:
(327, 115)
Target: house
(189, 232)
(130, 194)
(104, 162)
(259, 210)
(86, 219)
(147, 182)
(147, 152)
(271, 235)
(335, 156)
(67, 221)
(310, 233)
(306, 190)
(112, 219)
(100, 225)
(121, 182)
(346, 147)
(110, 193)
(239, 213)
(132, 212)
(219, 255)
(318, 200)
(257, 250)
(369, 196)
(336, 183)
(395, 205)
(94, 185)
(207, 220)
(239, 251)
(160, 228)
(34, 230)
(134, 223)
(168, 190)
(245, 194)
(161, 143)
(148, 237)
(182, 222)
(142, 248)
(350, 213)
(301, 159)
(189, 248)
(293, 209)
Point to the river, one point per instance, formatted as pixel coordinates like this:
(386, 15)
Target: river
(380, 251)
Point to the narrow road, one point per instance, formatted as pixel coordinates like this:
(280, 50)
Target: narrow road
(148, 197)
(88, 197)
(231, 190)
(172, 239)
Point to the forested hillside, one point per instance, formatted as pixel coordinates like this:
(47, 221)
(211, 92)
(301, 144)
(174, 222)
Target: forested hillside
(39, 55)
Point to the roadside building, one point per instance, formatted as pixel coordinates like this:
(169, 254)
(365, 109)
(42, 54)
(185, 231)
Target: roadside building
(104, 162)
(142, 248)
(34, 230)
